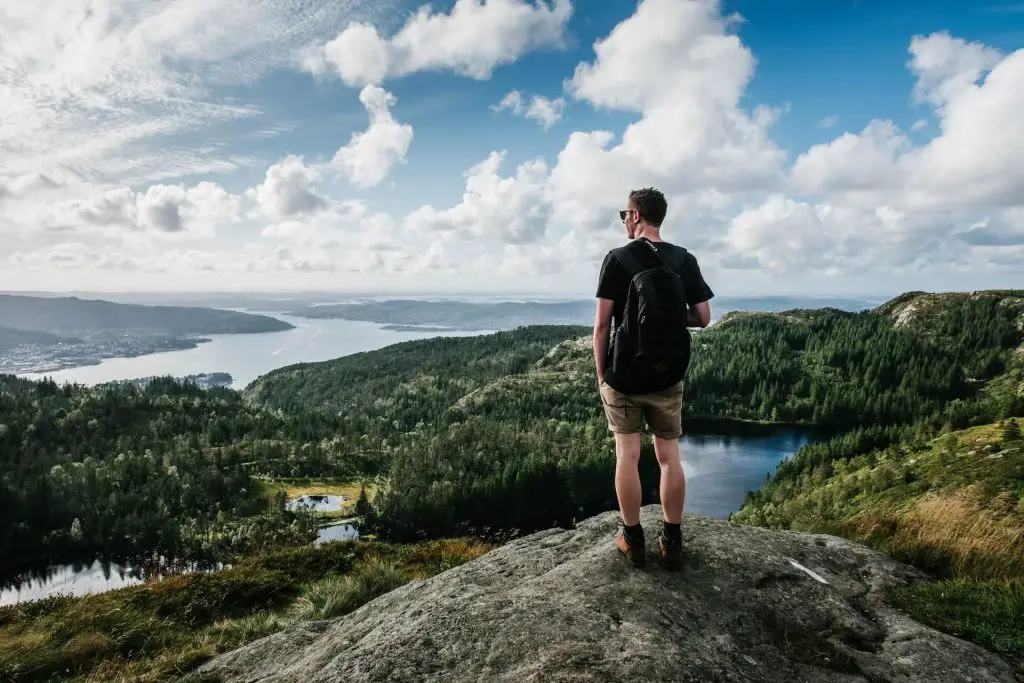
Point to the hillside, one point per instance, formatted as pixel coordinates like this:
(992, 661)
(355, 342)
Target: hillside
(529, 441)
(11, 337)
(408, 381)
(167, 468)
(71, 315)
(954, 502)
(824, 367)
(559, 606)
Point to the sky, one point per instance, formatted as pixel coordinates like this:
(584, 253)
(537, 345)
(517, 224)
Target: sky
(854, 147)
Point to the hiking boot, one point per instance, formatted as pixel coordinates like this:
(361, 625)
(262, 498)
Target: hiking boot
(635, 551)
(671, 552)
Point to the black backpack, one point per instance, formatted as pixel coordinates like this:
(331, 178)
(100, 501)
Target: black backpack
(651, 344)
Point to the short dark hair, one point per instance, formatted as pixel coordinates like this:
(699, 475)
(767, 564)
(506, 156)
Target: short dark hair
(650, 204)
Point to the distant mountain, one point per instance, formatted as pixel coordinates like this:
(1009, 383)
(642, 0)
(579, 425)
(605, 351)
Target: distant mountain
(467, 315)
(73, 315)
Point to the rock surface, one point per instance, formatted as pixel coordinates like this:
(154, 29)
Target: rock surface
(750, 605)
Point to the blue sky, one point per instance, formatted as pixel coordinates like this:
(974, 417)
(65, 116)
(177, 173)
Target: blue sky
(164, 192)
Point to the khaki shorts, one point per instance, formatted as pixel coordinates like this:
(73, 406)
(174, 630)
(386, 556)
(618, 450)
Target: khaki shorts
(662, 410)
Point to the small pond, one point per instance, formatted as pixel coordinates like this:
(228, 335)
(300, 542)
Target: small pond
(85, 578)
(339, 531)
(317, 503)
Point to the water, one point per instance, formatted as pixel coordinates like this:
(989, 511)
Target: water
(721, 469)
(317, 503)
(340, 531)
(79, 579)
(248, 356)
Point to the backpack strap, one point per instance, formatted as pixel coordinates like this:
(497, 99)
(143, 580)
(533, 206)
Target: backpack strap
(664, 259)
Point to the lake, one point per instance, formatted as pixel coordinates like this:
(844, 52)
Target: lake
(719, 471)
(248, 356)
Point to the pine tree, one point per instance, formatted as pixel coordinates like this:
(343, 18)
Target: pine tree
(362, 503)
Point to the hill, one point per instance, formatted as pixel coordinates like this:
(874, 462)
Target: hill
(559, 605)
(73, 315)
(953, 503)
(823, 367)
(45, 334)
(167, 468)
(11, 337)
(470, 445)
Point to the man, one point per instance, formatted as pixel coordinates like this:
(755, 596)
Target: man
(630, 397)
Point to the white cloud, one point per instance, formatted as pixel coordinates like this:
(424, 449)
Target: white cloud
(166, 210)
(853, 162)
(692, 139)
(370, 154)
(975, 162)
(828, 122)
(495, 208)
(541, 109)
(947, 67)
(472, 40)
(349, 223)
(287, 190)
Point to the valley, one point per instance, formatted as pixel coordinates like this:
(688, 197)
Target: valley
(908, 444)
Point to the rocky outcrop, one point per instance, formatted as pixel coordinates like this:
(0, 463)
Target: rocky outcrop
(751, 604)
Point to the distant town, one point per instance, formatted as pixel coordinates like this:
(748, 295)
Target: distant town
(89, 350)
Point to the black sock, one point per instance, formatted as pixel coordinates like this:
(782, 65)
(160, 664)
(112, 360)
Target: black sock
(673, 533)
(634, 533)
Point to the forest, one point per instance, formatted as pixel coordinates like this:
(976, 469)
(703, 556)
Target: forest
(491, 435)
(168, 469)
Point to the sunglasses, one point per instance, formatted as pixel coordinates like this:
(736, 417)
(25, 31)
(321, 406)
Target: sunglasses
(622, 214)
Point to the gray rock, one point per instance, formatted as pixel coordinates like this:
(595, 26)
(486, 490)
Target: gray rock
(751, 604)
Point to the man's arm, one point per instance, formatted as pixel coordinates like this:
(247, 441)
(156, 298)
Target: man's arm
(602, 328)
(699, 315)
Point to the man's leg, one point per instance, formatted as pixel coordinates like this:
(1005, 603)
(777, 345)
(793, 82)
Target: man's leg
(627, 477)
(673, 482)
(625, 419)
(663, 411)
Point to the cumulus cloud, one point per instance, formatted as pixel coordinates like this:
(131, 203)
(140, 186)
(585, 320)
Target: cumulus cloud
(472, 40)
(288, 190)
(168, 210)
(370, 154)
(691, 139)
(496, 208)
(976, 161)
(541, 109)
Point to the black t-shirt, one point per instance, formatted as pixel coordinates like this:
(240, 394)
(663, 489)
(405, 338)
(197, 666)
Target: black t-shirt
(614, 280)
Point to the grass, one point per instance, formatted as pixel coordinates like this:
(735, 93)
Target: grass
(954, 509)
(989, 613)
(164, 630)
(294, 488)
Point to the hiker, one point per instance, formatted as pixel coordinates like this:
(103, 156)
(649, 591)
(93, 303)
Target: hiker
(649, 294)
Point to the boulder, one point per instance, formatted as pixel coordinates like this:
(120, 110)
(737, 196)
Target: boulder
(750, 604)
